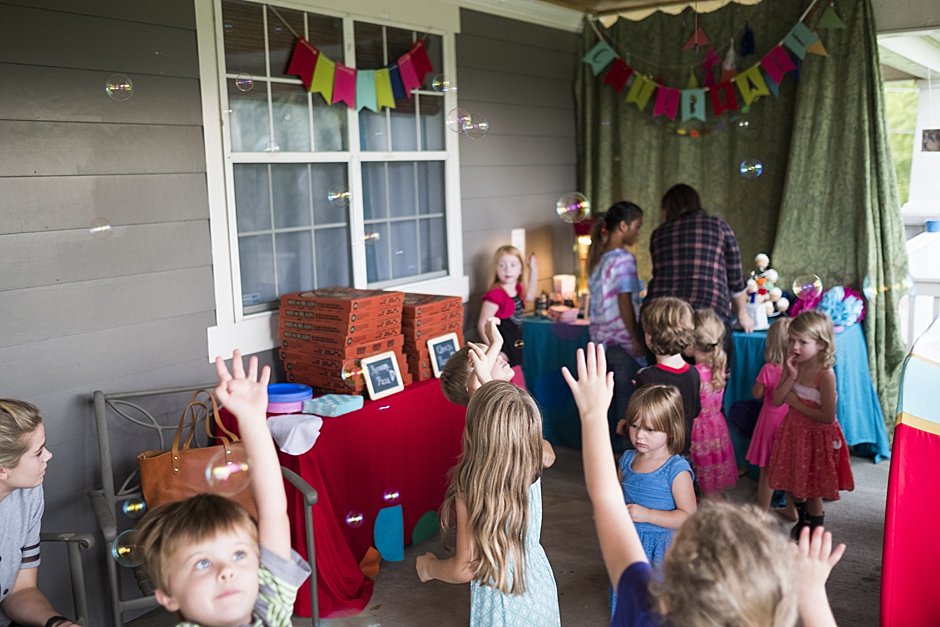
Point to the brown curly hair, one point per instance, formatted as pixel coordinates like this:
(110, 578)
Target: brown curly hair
(669, 323)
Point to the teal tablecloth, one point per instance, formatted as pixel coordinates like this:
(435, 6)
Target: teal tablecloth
(549, 346)
(857, 407)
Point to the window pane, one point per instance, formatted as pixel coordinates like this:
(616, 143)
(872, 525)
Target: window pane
(332, 248)
(404, 129)
(252, 199)
(280, 39)
(433, 237)
(329, 182)
(377, 266)
(401, 189)
(432, 122)
(404, 249)
(243, 33)
(291, 121)
(431, 187)
(370, 49)
(326, 33)
(294, 262)
(248, 117)
(290, 192)
(374, 191)
(329, 126)
(256, 259)
(373, 133)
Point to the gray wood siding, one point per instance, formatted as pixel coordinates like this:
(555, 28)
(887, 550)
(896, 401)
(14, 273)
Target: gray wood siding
(521, 77)
(79, 313)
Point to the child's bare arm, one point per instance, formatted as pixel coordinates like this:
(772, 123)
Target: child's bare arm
(455, 569)
(684, 495)
(786, 382)
(815, 559)
(533, 288)
(246, 396)
(593, 390)
(758, 390)
(548, 454)
(488, 310)
(494, 339)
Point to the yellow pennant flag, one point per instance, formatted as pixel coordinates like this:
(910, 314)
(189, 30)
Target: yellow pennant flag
(817, 47)
(641, 90)
(383, 89)
(323, 74)
(751, 84)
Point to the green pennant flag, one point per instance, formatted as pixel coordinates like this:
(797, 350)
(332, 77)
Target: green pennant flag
(830, 19)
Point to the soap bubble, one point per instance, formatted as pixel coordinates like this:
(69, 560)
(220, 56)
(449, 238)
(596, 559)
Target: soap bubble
(101, 228)
(227, 25)
(458, 120)
(573, 207)
(518, 344)
(391, 496)
(339, 196)
(124, 549)
(244, 82)
(352, 373)
(807, 286)
(743, 124)
(134, 508)
(372, 237)
(479, 127)
(272, 146)
(442, 84)
(751, 168)
(355, 519)
(227, 471)
(119, 87)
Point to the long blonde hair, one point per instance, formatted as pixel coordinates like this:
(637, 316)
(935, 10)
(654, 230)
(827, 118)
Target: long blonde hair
(709, 337)
(18, 419)
(728, 565)
(502, 456)
(777, 346)
(817, 326)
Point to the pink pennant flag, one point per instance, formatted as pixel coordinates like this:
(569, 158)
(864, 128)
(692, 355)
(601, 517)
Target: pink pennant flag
(419, 56)
(697, 39)
(711, 60)
(344, 85)
(777, 63)
(618, 74)
(409, 77)
(303, 61)
(723, 98)
(667, 102)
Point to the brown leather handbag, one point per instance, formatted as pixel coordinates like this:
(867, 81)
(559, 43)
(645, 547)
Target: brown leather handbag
(181, 472)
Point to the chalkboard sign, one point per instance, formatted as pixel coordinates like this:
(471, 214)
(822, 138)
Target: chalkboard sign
(441, 349)
(383, 377)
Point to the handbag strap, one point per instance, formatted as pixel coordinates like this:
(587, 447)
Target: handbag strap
(190, 411)
(222, 432)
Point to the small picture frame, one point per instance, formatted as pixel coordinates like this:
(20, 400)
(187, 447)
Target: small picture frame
(440, 349)
(383, 376)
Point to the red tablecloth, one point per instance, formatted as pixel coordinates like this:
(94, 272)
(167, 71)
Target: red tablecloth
(406, 443)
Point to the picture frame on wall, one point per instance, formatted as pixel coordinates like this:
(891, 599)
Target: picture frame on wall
(440, 349)
(382, 374)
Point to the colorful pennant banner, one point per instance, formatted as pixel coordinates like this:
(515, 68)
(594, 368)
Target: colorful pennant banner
(761, 79)
(359, 89)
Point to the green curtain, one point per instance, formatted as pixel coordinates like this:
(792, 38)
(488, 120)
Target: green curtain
(826, 201)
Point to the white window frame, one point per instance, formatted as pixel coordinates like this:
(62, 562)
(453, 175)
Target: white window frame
(257, 332)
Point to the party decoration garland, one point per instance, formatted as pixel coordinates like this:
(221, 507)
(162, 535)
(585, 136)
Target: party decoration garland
(359, 89)
(761, 79)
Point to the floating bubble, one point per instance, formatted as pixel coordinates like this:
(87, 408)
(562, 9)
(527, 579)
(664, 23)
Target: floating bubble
(352, 373)
(124, 549)
(355, 519)
(751, 168)
(807, 286)
(391, 496)
(903, 286)
(277, 28)
(573, 207)
(227, 25)
(100, 228)
(227, 472)
(134, 508)
(743, 123)
(272, 146)
(244, 82)
(518, 344)
(119, 87)
(442, 84)
(479, 127)
(372, 237)
(458, 120)
(339, 196)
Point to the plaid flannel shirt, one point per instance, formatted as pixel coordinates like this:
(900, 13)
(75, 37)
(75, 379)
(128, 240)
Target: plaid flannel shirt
(696, 258)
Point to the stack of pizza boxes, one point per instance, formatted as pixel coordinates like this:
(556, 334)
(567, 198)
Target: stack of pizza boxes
(325, 332)
(425, 317)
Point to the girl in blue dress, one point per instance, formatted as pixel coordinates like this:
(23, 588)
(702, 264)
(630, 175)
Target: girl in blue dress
(656, 480)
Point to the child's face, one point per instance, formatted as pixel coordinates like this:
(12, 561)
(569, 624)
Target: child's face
(501, 371)
(632, 232)
(646, 439)
(30, 470)
(214, 582)
(803, 348)
(508, 269)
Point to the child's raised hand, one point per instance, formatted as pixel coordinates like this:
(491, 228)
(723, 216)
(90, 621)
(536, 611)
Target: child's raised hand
(594, 387)
(815, 559)
(243, 394)
(533, 264)
(482, 365)
(493, 337)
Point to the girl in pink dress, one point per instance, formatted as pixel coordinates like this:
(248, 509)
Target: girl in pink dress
(776, 349)
(712, 453)
(810, 459)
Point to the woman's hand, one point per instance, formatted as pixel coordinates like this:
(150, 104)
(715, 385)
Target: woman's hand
(422, 565)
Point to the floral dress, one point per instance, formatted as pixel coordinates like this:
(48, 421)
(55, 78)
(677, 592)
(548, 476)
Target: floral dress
(712, 453)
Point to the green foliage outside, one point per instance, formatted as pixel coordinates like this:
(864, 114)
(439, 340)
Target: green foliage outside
(901, 104)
